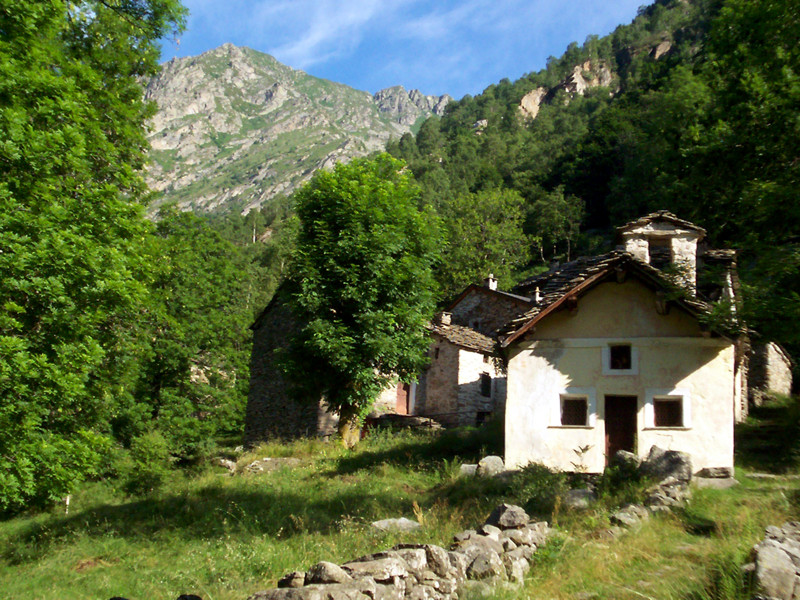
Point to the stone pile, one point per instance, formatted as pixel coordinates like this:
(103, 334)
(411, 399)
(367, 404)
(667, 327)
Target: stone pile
(776, 563)
(498, 552)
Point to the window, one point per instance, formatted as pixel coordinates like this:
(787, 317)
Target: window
(668, 408)
(668, 412)
(436, 353)
(620, 356)
(486, 385)
(660, 251)
(574, 411)
(481, 417)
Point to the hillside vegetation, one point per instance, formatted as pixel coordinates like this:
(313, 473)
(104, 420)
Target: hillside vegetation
(224, 537)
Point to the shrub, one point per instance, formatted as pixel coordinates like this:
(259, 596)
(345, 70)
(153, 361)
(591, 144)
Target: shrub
(146, 466)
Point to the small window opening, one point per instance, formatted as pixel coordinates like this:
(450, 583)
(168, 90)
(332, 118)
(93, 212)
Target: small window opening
(660, 253)
(620, 357)
(436, 352)
(486, 358)
(475, 323)
(481, 417)
(668, 412)
(486, 385)
(574, 411)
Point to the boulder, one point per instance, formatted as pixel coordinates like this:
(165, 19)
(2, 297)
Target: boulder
(775, 572)
(381, 569)
(715, 473)
(626, 459)
(715, 483)
(629, 515)
(437, 560)
(486, 565)
(508, 516)
(295, 579)
(468, 470)
(327, 572)
(401, 524)
(579, 499)
(661, 464)
(490, 466)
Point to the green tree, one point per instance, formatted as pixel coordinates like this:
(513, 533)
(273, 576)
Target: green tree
(192, 375)
(72, 145)
(485, 235)
(364, 284)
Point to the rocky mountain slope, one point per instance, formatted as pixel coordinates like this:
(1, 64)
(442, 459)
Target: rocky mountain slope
(235, 127)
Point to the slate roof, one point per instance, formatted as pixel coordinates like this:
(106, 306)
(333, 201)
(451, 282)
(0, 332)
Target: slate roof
(573, 278)
(485, 290)
(661, 215)
(465, 337)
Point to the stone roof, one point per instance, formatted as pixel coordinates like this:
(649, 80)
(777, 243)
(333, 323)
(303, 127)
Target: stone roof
(721, 255)
(573, 278)
(661, 215)
(465, 337)
(485, 290)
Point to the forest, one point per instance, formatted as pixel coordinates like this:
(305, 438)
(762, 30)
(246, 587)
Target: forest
(124, 340)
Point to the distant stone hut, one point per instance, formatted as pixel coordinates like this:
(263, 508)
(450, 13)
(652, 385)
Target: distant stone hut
(770, 371)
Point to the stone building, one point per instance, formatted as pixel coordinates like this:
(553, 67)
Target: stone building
(770, 371)
(618, 353)
(610, 352)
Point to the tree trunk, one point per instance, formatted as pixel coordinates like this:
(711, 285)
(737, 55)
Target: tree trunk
(349, 427)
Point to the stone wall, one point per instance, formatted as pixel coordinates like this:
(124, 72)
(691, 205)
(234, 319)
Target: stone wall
(440, 397)
(770, 371)
(486, 311)
(499, 552)
(471, 401)
(270, 413)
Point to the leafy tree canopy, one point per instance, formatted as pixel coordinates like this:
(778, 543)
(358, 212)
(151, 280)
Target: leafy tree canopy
(71, 147)
(364, 281)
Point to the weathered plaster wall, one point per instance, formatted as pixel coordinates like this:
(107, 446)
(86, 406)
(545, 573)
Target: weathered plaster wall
(565, 355)
(485, 311)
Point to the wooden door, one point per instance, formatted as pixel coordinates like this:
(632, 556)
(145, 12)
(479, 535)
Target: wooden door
(620, 424)
(403, 395)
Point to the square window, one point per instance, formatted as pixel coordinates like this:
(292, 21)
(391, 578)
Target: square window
(620, 358)
(486, 385)
(668, 412)
(660, 253)
(481, 417)
(574, 411)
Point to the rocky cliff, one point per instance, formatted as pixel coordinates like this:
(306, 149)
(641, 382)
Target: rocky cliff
(235, 127)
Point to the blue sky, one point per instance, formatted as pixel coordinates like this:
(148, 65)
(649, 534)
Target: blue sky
(441, 46)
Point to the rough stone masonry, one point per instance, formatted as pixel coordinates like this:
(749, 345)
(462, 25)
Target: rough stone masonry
(498, 552)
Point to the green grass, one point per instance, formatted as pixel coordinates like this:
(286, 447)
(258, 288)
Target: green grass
(225, 537)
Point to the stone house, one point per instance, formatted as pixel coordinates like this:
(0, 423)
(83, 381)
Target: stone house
(617, 351)
(770, 371)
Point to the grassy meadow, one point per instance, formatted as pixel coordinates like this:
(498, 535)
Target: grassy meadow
(224, 537)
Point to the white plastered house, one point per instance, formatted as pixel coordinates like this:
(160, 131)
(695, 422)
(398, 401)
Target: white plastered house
(617, 355)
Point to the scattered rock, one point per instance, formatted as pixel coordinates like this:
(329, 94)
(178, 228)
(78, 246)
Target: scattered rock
(500, 551)
(579, 499)
(489, 466)
(295, 579)
(224, 463)
(508, 516)
(401, 524)
(326, 572)
(468, 470)
(715, 473)
(626, 459)
(269, 464)
(630, 515)
(715, 483)
(661, 464)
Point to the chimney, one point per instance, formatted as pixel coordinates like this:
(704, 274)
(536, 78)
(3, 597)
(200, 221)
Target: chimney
(490, 282)
(443, 318)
